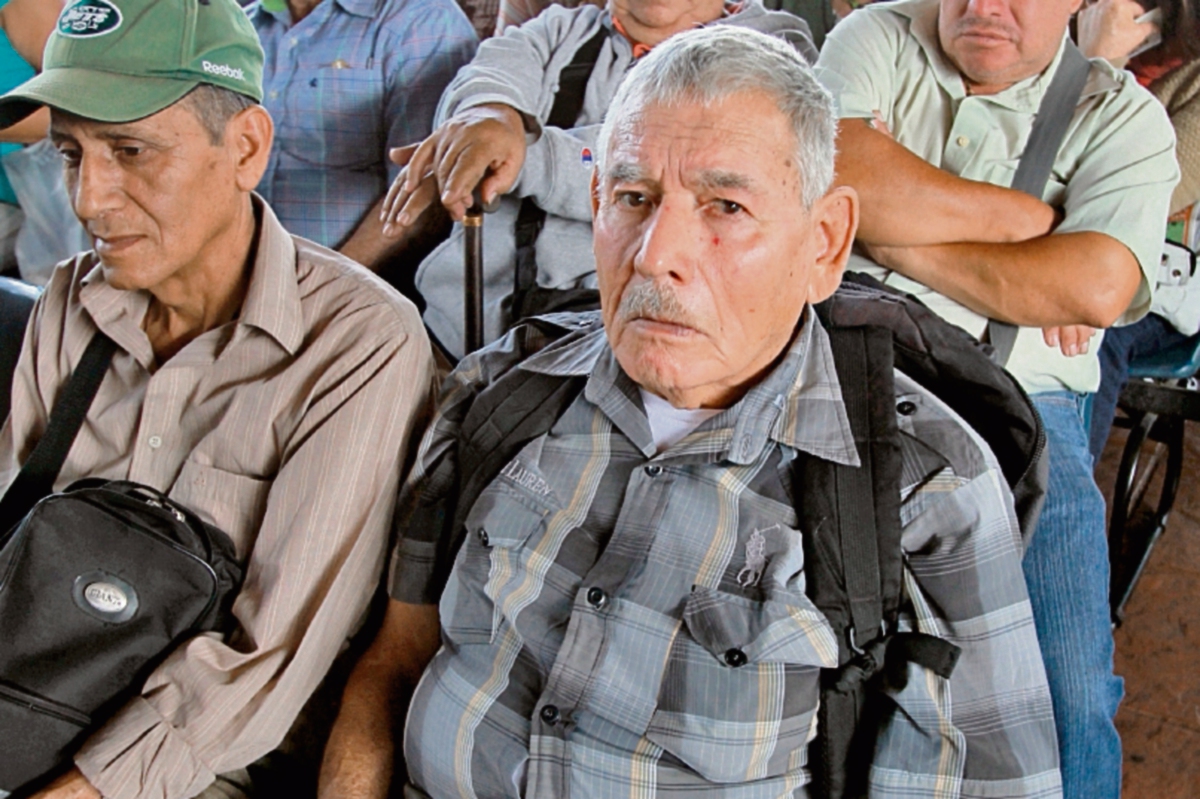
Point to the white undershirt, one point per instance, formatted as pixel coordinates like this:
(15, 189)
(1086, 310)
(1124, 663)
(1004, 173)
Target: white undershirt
(668, 424)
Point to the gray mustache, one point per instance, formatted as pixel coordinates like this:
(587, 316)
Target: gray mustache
(983, 24)
(655, 301)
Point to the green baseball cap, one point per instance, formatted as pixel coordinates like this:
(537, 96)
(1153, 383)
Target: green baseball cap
(121, 60)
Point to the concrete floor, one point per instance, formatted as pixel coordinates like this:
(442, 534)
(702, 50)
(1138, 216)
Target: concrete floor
(1158, 647)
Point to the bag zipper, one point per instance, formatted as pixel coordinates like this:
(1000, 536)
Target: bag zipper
(182, 550)
(46, 707)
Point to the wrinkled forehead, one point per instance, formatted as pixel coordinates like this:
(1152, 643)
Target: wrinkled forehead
(172, 123)
(733, 143)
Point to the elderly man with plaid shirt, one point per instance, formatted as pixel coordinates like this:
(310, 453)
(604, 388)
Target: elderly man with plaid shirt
(627, 613)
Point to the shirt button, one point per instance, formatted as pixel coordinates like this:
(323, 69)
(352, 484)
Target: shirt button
(654, 470)
(735, 657)
(597, 598)
(550, 714)
(274, 95)
(154, 441)
(483, 537)
(293, 41)
(962, 141)
(906, 408)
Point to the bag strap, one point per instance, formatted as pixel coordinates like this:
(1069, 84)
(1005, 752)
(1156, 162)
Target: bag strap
(37, 476)
(854, 487)
(863, 599)
(504, 417)
(1049, 130)
(568, 104)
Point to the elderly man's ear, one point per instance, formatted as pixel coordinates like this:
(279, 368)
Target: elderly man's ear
(249, 135)
(834, 220)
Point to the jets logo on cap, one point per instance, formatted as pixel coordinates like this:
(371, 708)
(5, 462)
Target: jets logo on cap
(88, 18)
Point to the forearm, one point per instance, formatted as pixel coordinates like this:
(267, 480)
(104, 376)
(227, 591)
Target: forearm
(361, 751)
(1065, 279)
(370, 247)
(905, 201)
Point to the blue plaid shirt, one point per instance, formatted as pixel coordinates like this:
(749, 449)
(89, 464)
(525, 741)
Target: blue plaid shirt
(590, 612)
(344, 84)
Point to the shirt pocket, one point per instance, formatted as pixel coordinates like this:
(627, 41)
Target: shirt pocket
(739, 696)
(494, 579)
(234, 503)
(335, 117)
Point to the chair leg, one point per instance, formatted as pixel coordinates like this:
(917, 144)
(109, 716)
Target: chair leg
(1131, 484)
(1126, 484)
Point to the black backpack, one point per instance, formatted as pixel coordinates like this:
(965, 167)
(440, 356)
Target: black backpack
(851, 516)
(98, 584)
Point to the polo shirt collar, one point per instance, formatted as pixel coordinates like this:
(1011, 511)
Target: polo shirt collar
(271, 305)
(1024, 96)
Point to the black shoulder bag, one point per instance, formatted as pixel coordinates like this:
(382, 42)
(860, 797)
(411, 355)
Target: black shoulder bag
(98, 584)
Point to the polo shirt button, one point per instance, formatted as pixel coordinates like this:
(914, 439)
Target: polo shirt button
(654, 470)
(906, 408)
(597, 598)
(154, 441)
(735, 657)
(550, 714)
(962, 141)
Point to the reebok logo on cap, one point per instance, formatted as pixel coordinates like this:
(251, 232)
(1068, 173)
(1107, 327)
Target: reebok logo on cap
(223, 70)
(89, 18)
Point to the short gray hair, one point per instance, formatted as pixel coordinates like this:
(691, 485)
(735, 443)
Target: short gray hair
(711, 64)
(214, 106)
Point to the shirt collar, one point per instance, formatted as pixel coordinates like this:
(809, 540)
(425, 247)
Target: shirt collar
(1024, 96)
(359, 8)
(272, 302)
(799, 404)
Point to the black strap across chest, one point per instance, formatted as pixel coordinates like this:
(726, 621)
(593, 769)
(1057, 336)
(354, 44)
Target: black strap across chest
(37, 476)
(1049, 130)
(568, 104)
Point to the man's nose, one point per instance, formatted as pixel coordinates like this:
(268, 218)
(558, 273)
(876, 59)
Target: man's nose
(670, 242)
(987, 8)
(96, 189)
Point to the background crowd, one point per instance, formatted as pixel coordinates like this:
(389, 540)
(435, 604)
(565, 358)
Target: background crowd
(386, 120)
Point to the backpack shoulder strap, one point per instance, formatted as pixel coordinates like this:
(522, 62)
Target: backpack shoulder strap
(854, 562)
(568, 104)
(1049, 130)
(37, 476)
(504, 417)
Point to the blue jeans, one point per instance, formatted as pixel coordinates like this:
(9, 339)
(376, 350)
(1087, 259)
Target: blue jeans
(1066, 568)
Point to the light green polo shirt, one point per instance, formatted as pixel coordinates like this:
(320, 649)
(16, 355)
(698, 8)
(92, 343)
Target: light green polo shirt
(1113, 175)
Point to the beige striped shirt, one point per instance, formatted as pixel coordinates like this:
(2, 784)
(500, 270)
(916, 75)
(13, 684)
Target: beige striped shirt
(288, 429)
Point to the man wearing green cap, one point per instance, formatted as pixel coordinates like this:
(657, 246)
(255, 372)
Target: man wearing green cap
(268, 384)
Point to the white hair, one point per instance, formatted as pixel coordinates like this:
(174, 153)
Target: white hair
(710, 64)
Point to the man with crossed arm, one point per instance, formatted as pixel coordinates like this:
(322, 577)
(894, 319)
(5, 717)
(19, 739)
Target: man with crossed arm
(937, 99)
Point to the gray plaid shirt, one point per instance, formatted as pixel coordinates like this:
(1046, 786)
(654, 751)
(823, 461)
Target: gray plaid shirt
(587, 621)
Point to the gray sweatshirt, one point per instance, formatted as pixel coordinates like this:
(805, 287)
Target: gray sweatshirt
(521, 69)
